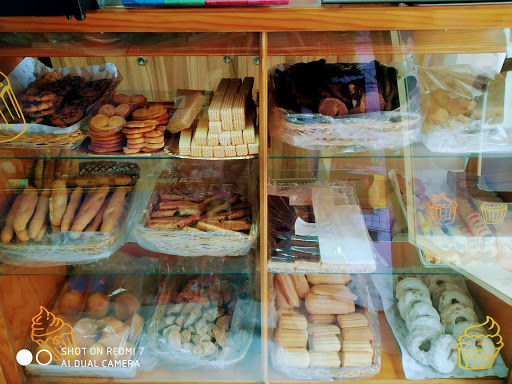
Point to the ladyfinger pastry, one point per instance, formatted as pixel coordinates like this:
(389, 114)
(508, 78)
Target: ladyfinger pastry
(358, 346)
(40, 215)
(357, 334)
(41, 233)
(339, 291)
(293, 321)
(321, 319)
(325, 343)
(282, 303)
(324, 359)
(354, 359)
(58, 202)
(113, 210)
(26, 209)
(288, 290)
(301, 285)
(293, 357)
(90, 207)
(73, 205)
(352, 320)
(22, 236)
(329, 278)
(94, 225)
(8, 230)
(323, 329)
(292, 338)
(49, 174)
(325, 305)
(38, 173)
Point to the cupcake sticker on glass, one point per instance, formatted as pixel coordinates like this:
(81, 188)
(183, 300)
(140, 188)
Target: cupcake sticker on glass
(10, 111)
(442, 209)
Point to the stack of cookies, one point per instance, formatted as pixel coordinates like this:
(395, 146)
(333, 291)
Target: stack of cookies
(146, 132)
(333, 335)
(129, 103)
(105, 131)
(228, 131)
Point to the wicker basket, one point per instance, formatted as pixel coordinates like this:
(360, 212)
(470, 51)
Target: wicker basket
(93, 246)
(185, 243)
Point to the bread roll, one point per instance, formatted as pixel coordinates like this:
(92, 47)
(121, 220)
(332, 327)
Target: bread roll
(40, 216)
(291, 338)
(288, 289)
(301, 285)
(74, 204)
(325, 305)
(113, 210)
(26, 209)
(329, 278)
(59, 202)
(8, 230)
(90, 207)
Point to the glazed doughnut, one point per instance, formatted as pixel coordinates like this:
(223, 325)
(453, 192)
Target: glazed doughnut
(420, 309)
(426, 321)
(455, 314)
(453, 297)
(444, 354)
(419, 343)
(460, 328)
(410, 283)
(409, 298)
(436, 281)
(436, 294)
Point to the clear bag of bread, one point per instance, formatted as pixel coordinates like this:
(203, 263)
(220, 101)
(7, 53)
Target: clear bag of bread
(458, 119)
(204, 320)
(68, 212)
(325, 326)
(93, 328)
(345, 107)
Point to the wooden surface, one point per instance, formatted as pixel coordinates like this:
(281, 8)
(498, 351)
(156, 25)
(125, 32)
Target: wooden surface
(349, 18)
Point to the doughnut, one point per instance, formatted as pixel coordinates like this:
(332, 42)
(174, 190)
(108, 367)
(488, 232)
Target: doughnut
(444, 354)
(410, 283)
(460, 328)
(456, 313)
(426, 321)
(436, 281)
(436, 294)
(419, 343)
(453, 297)
(420, 309)
(408, 299)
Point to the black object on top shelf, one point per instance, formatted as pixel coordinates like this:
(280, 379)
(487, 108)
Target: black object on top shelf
(68, 8)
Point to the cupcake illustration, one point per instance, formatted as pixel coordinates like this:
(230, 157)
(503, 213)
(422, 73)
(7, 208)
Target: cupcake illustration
(442, 209)
(54, 334)
(493, 213)
(479, 348)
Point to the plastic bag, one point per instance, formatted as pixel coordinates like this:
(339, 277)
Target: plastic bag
(456, 120)
(345, 107)
(335, 241)
(202, 321)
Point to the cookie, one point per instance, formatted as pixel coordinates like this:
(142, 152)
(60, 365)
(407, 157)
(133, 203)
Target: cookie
(138, 100)
(153, 112)
(154, 146)
(131, 150)
(139, 140)
(107, 110)
(136, 146)
(153, 134)
(135, 135)
(99, 122)
(122, 110)
(154, 140)
(140, 124)
(108, 143)
(95, 148)
(116, 121)
(106, 132)
(36, 106)
(120, 99)
(151, 150)
(41, 113)
(161, 128)
(137, 130)
(106, 139)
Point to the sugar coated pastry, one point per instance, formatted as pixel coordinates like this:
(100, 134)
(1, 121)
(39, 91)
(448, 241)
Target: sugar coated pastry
(352, 320)
(325, 305)
(293, 321)
(26, 209)
(288, 289)
(420, 309)
(324, 359)
(357, 334)
(450, 286)
(8, 230)
(301, 285)
(353, 359)
(293, 357)
(59, 202)
(456, 313)
(323, 329)
(438, 280)
(410, 283)
(321, 319)
(419, 343)
(291, 338)
(444, 354)
(325, 343)
(453, 297)
(426, 321)
(329, 278)
(408, 299)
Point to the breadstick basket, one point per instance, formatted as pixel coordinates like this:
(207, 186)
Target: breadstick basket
(306, 362)
(79, 243)
(35, 129)
(365, 106)
(205, 321)
(186, 238)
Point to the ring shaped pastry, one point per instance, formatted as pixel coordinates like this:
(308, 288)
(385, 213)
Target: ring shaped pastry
(456, 313)
(408, 299)
(419, 343)
(426, 321)
(454, 297)
(410, 283)
(436, 294)
(444, 354)
(436, 281)
(420, 309)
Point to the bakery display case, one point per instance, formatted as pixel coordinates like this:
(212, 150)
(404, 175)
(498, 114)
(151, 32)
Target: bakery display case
(256, 195)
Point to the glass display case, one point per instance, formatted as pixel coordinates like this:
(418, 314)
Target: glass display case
(256, 195)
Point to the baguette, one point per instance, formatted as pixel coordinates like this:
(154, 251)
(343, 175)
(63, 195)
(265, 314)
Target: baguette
(22, 235)
(58, 202)
(94, 225)
(92, 180)
(90, 207)
(40, 216)
(113, 210)
(26, 209)
(8, 230)
(41, 233)
(74, 204)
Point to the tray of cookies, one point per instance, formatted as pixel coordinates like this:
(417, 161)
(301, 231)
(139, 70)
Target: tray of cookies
(53, 103)
(199, 217)
(128, 125)
(202, 321)
(227, 131)
(322, 329)
(437, 323)
(345, 107)
(69, 212)
(93, 329)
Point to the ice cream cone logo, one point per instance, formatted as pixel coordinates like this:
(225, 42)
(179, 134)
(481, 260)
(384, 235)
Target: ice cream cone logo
(53, 334)
(442, 209)
(493, 213)
(480, 345)
(10, 110)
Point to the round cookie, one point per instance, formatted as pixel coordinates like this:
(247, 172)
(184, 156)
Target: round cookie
(153, 133)
(139, 140)
(95, 148)
(154, 146)
(136, 146)
(122, 110)
(107, 110)
(36, 106)
(154, 140)
(140, 124)
(41, 113)
(137, 130)
(131, 150)
(120, 99)
(112, 138)
(134, 135)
